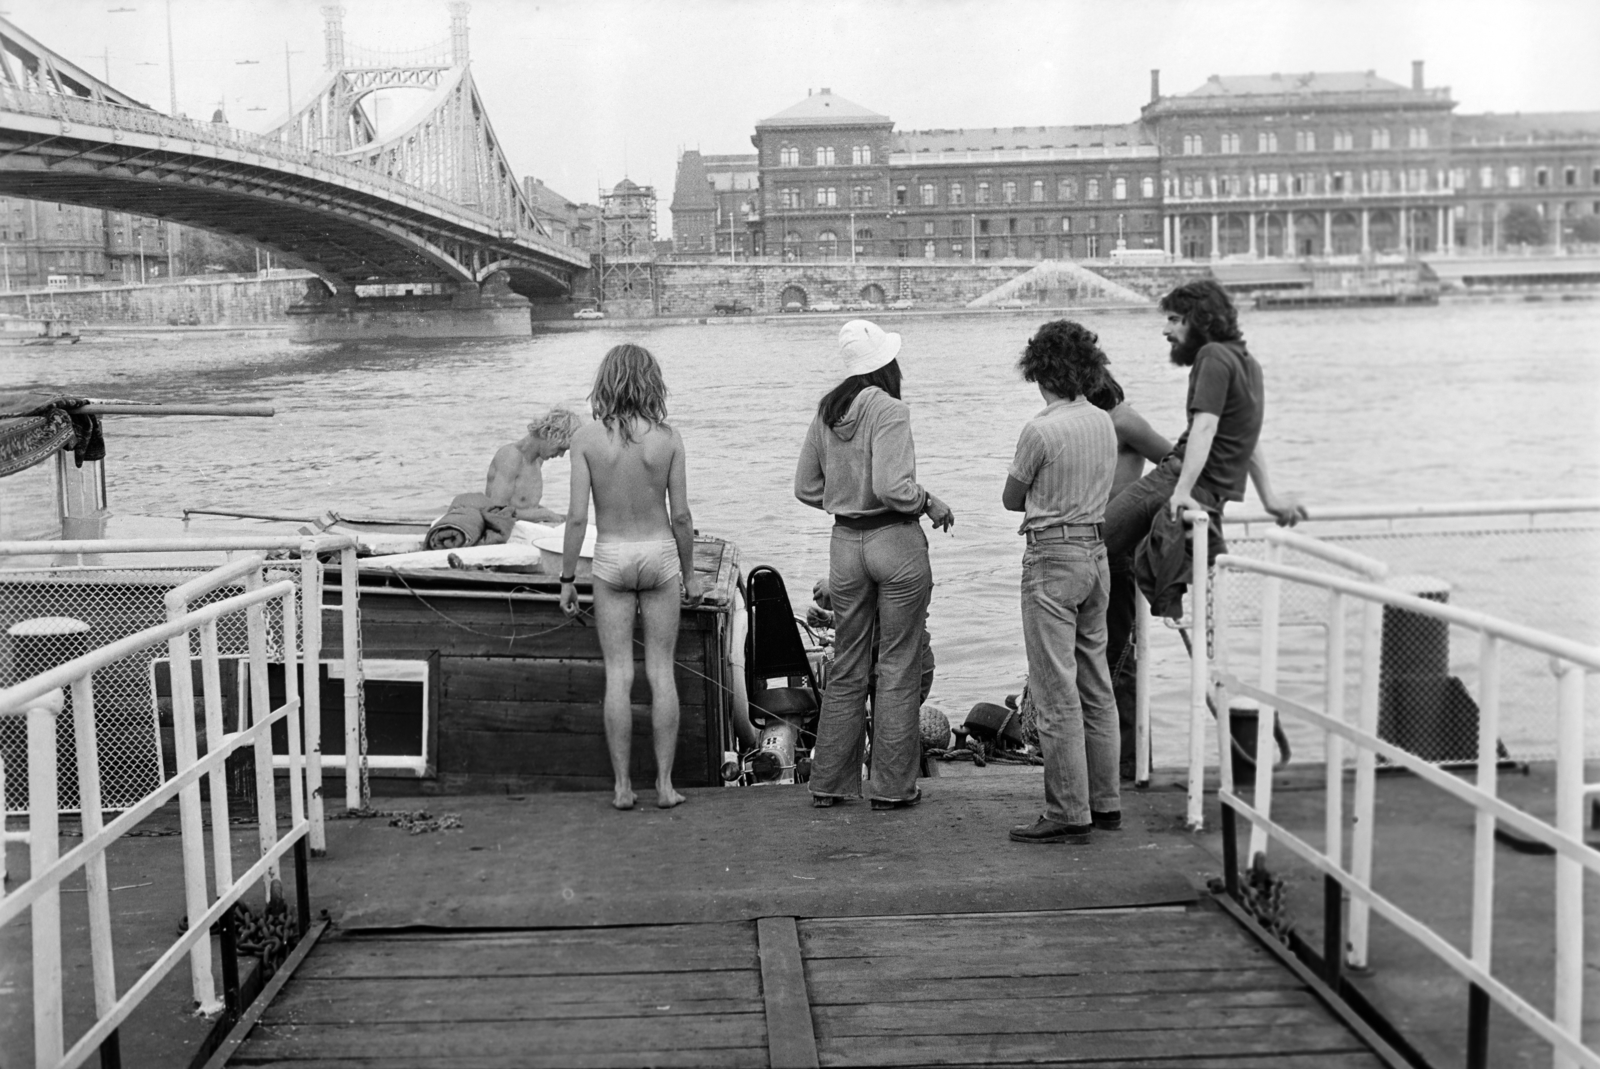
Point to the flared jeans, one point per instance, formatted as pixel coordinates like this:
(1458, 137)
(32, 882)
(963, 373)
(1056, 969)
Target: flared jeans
(879, 580)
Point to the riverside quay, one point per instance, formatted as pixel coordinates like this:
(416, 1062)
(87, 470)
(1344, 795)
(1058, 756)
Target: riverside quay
(1292, 165)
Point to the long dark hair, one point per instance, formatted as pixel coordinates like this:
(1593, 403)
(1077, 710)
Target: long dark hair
(837, 401)
(628, 385)
(1207, 308)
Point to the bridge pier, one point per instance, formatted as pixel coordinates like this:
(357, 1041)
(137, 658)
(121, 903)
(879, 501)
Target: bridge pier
(489, 310)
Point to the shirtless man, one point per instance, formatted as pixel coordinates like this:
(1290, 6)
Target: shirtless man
(516, 475)
(631, 461)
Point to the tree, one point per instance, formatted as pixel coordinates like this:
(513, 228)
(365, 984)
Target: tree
(201, 251)
(1587, 229)
(1522, 225)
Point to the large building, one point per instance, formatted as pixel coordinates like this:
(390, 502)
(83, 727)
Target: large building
(1281, 165)
(46, 244)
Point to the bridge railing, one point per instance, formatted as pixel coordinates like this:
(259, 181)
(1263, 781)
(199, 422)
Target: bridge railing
(70, 109)
(40, 699)
(1384, 608)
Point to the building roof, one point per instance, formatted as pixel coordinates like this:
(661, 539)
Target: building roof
(1492, 129)
(986, 138)
(823, 108)
(733, 161)
(545, 198)
(1236, 85)
(691, 189)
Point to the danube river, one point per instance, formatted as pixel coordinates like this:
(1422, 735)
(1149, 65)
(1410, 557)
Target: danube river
(1461, 402)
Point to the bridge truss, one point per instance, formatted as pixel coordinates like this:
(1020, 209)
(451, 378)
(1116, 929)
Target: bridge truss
(433, 201)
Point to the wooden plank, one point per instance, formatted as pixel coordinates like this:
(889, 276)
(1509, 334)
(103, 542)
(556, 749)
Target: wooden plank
(1008, 961)
(580, 717)
(446, 783)
(836, 1023)
(754, 1057)
(489, 753)
(466, 1039)
(679, 948)
(546, 679)
(791, 1042)
(1333, 1060)
(839, 991)
(936, 935)
(527, 998)
(1001, 1048)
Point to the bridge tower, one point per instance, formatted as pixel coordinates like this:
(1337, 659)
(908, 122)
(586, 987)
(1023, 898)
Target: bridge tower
(628, 248)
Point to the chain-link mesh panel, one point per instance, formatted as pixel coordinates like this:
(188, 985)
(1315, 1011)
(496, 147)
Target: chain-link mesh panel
(132, 698)
(1544, 576)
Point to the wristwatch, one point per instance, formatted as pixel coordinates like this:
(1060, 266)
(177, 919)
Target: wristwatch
(566, 579)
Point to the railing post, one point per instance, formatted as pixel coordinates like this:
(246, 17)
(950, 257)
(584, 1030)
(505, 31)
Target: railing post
(1366, 780)
(1199, 668)
(44, 846)
(1221, 702)
(355, 766)
(1271, 597)
(1141, 730)
(196, 897)
(1568, 1014)
(217, 781)
(91, 819)
(311, 700)
(1488, 783)
(1333, 814)
(291, 723)
(260, 709)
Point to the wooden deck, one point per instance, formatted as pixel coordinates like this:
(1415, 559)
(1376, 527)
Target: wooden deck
(1168, 986)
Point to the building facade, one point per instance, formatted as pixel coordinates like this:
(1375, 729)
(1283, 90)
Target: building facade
(47, 244)
(1282, 165)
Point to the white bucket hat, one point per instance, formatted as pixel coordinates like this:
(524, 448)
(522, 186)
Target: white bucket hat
(865, 347)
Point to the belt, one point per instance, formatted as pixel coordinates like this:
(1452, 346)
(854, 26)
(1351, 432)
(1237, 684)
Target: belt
(1062, 532)
(874, 521)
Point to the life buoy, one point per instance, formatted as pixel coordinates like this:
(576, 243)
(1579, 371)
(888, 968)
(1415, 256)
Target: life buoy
(737, 634)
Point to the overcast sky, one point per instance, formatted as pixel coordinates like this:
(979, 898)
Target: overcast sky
(585, 92)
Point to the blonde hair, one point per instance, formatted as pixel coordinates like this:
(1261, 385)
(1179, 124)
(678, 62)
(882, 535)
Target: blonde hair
(556, 425)
(627, 386)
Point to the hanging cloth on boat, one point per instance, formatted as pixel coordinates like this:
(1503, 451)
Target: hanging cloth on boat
(45, 427)
(472, 519)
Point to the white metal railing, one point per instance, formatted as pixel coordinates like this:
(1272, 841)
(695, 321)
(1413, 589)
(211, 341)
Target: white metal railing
(40, 699)
(1570, 662)
(311, 586)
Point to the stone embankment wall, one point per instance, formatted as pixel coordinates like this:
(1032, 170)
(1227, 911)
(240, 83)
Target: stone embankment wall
(1153, 281)
(193, 302)
(696, 288)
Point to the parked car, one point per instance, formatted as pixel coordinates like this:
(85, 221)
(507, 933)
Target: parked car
(1011, 302)
(793, 306)
(827, 306)
(731, 308)
(588, 313)
(899, 304)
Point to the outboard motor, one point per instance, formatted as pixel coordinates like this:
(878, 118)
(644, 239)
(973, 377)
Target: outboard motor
(784, 699)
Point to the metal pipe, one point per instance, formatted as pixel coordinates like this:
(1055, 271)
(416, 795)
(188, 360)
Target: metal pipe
(1266, 716)
(91, 818)
(260, 709)
(211, 680)
(203, 988)
(1141, 731)
(1463, 508)
(1366, 780)
(1568, 1014)
(43, 844)
(311, 700)
(355, 794)
(1199, 669)
(1488, 775)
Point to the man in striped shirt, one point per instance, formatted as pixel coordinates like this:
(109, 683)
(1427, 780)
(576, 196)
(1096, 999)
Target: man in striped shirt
(1060, 479)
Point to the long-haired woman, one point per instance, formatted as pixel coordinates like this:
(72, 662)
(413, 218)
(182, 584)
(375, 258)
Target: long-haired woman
(859, 464)
(631, 461)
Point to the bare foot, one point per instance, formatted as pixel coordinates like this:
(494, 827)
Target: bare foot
(624, 798)
(666, 798)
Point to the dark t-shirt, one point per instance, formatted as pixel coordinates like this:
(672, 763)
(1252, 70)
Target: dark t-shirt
(1226, 381)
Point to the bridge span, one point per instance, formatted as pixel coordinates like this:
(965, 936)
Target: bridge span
(435, 201)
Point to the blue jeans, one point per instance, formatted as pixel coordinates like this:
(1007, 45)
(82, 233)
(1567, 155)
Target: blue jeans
(1128, 515)
(878, 579)
(1065, 589)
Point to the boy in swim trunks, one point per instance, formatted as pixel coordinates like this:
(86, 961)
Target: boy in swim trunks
(632, 463)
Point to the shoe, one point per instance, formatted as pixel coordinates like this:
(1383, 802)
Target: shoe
(898, 803)
(1106, 821)
(1045, 830)
(822, 801)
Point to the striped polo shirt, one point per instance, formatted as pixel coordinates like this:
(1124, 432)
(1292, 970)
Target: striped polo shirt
(1066, 456)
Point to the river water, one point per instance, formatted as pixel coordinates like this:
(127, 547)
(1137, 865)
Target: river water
(1461, 402)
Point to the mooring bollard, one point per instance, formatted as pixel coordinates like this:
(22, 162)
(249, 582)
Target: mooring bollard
(1422, 708)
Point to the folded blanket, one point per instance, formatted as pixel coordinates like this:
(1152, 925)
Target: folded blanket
(471, 519)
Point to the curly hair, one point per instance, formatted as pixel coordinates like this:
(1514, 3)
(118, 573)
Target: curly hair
(1107, 393)
(1065, 358)
(555, 426)
(1207, 308)
(628, 386)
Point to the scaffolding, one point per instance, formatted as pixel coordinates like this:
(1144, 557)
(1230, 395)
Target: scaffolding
(628, 248)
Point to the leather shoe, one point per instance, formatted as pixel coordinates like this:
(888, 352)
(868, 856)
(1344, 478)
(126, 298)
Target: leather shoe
(898, 803)
(822, 801)
(1045, 830)
(1106, 821)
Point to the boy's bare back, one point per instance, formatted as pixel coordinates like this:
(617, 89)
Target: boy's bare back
(630, 480)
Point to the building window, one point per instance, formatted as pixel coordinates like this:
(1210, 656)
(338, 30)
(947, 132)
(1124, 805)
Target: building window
(1266, 141)
(1147, 186)
(1570, 176)
(1486, 178)
(1417, 179)
(1008, 192)
(1038, 225)
(1091, 247)
(861, 154)
(1267, 185)
(1305, 141)
(788, 156)
(900, 194)
(1343, 141)
(789, 198)
(900, 230)
(1541, 177)
(958, 193)
(1230, 144)
(861, 195)
(1067, 189)
(1119, 189)
(1336, 182)
(983, 226)
(929, 250)
(827, 197)
(981, 195)
(1594, 178)
(827, 245)
(1093, 223)
(1458, 178)
(1417, 137)
(929, 194)
(824, 155)
(1514, 177)
(1011, 225)
(1225, 186)
(1380, 138)
(1091, 189)
(955, 248)
(1378, 182)
(927, 228)
(864, 234)
(1036, 191)
(1066, 224)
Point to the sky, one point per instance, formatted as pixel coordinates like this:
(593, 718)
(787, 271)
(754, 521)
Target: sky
(583, 93)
